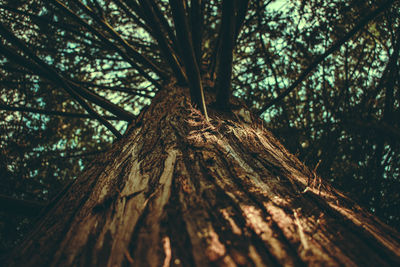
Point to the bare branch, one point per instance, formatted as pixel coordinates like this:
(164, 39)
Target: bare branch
(58, 79)
(138, 92)
(166, 26)
(225, 55)
(53, 112)
(170, 55)
(126, 6)
(242, 6)
(188, 54)
(137, 56)
(363, 22)
(18, 206)
(197, 21)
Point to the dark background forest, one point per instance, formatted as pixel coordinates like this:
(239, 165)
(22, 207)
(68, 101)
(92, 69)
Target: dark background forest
(323, 75)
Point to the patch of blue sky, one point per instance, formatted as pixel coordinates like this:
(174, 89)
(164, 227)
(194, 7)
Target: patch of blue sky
(278, 5)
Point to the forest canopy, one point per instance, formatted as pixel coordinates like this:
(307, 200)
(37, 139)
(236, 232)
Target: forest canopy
(323, 75)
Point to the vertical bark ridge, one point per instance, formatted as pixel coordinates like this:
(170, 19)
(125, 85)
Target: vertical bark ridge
(207, 248)
(59, 218)
(94, 217)
(253, 213)
(242, 224)
(148, 240)
(367, 240)
(173, 224)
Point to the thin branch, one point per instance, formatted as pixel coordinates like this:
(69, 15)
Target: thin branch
(18, 206)
(137, 56)
(165, 24)
(52, 74)
(126, 6)
(82, 154)
(138, 92)
(390, 82)
(131, 50)
(53, 112)
(363, 22)
(389, 130)
(91, 111)
(265, 49)
(170, 55)
(69, 28)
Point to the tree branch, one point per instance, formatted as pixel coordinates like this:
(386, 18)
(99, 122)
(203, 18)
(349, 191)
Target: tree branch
(52, 74)
(225, 54)
(61, 25)
(165, 24)
(53, 112)
(363, 22)
(390, 83)
(138, 92)
(137, 56)
(22, 207)
(241, 15)
(170, 55)
(131, 50)
(189, 58)
(126, 6)
(197, 21)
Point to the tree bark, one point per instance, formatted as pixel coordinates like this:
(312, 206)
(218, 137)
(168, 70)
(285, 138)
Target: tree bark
(178, 190)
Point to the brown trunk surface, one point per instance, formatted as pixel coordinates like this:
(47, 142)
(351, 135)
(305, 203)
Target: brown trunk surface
(177, 190)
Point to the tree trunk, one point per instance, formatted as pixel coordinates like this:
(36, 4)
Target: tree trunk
(177, 190)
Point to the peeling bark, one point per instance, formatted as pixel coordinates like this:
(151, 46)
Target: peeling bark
(178, 190)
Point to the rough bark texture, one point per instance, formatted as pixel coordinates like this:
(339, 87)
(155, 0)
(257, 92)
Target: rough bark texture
(177, 190)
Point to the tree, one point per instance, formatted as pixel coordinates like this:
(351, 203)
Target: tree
(196, 179)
